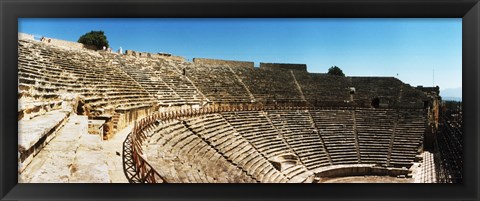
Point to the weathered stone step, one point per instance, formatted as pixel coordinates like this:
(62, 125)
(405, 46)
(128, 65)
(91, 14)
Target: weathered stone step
(53, 163)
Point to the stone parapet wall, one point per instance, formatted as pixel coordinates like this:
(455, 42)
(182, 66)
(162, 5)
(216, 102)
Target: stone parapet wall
(67, 44)
(218, 62)
(273, 66)
(153, 55)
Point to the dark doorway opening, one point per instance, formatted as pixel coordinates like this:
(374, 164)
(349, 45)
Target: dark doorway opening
(376, 102)
(426, 104)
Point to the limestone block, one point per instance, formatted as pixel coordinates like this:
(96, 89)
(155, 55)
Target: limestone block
(30, 131)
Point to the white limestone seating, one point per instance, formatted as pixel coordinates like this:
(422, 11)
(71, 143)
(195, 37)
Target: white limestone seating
(408, 137)
(268, 85)
(375, 130)
(283, 145)
(47, 72)
(259, 131)
(223, 137)
(324, 89)
(218, 83)
(163, 79)
(299, 132)
(337, 131)
(183, 157)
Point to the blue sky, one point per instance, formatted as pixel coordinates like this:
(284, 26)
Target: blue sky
(417, 49)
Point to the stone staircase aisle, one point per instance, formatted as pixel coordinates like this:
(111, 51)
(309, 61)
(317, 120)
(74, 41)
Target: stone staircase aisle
(73, 156)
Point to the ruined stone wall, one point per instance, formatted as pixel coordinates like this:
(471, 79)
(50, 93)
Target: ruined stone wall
(153, 55)
(67, 44)
(218, 62)
(128, 117)
(273, 66)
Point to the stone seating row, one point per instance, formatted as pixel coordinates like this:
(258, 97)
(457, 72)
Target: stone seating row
(298, 131)
(375, 130)
(269, 85)
(337, 130)
(408, 138)
(218, 84)
(172, 74)
(367, 87)
(235, 147)
(47, 71)
(257, 129)
(168, 87)
(244, 138)
(322, 87)
(181, 156)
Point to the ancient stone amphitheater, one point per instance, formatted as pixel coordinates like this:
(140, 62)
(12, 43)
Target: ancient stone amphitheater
(100, 116)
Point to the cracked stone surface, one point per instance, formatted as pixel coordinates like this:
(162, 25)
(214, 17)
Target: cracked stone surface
(73, 156)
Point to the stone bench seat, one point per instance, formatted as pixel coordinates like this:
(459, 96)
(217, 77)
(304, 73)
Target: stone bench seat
(347, 151)
(266, 142)
(32, 106)
(401, 161)
(346, 161)
(133, 106)
(32, 130)
(215, 133)
(294, 171)
(311, 154)
(373, 142)
(164, 135)
(402, 158)
(229, 144)
(313, 163)
(274, 151)
(175, 139)
(338, 144)
(273, 176)
(255, 130)
(212, 128)
(345, 154)
(373, 160)
(405, 146)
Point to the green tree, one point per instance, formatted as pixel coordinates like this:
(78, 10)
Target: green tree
(94, 38)
(335, 70)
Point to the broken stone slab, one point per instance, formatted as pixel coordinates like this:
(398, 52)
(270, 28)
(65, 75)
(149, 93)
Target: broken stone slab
(32, 130)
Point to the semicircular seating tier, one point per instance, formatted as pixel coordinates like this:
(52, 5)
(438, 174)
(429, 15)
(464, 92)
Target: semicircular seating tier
(281, 145)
